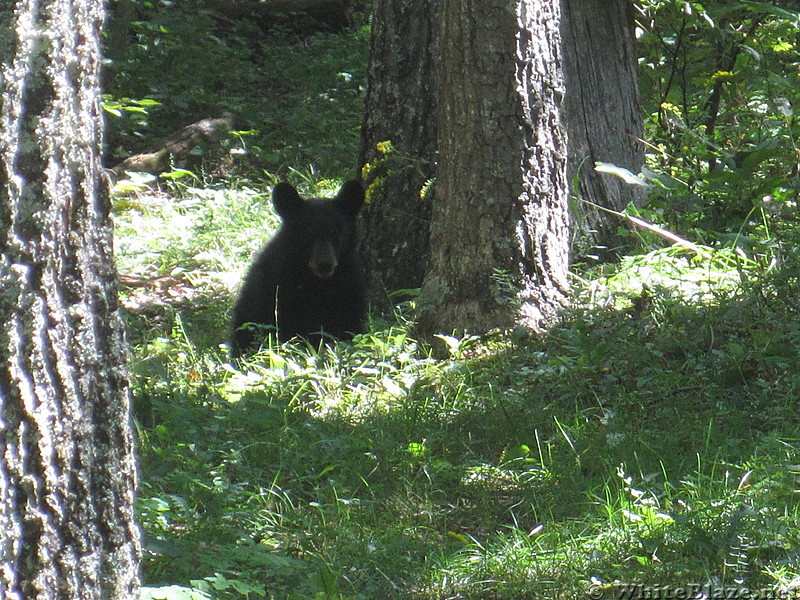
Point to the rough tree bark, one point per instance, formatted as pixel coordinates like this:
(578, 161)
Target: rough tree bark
(500, 226)
(400, 107)
(67, 471)
(602, 115)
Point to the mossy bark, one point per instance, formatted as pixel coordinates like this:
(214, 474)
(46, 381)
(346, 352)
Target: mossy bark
(67, 471)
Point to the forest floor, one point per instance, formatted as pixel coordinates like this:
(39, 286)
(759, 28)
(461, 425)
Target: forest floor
(647, 447)
(650, 438)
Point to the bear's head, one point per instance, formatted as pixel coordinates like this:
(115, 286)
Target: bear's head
(321, 230)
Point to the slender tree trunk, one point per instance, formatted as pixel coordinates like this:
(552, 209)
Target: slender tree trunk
(67, 472)
(500, 226)
(400, 108)
(118, 31)
(602, 115)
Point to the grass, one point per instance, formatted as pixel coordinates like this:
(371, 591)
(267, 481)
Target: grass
(651, 438)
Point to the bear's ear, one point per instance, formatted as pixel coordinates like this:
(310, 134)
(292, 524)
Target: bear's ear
(350, 198)
(286, 199)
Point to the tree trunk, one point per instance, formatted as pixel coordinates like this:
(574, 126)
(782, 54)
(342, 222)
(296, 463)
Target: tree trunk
(118, 34)
(602, 115)
(601, 111)
(500, 226)
(400, 108)
(67, 471)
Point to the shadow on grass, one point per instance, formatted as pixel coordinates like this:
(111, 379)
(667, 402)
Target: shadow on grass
(656, 445)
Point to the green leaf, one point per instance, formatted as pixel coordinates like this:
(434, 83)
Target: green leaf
(620, 172)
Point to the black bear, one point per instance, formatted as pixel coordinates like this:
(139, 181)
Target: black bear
(308, 279)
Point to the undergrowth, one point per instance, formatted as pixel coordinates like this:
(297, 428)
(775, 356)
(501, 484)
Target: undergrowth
(650, 438)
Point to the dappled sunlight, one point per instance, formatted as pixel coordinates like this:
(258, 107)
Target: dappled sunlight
(650, 436)
(673, 272)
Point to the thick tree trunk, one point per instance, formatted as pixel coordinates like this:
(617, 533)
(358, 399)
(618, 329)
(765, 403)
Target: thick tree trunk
(500, 226)
(601, 112)
(602, 115)
(400, 108)
(67, 472)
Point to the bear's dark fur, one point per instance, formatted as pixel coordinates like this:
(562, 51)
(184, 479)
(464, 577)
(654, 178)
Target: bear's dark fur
(308, 279)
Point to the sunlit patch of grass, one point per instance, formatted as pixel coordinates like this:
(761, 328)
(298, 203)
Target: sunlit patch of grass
(675, 272)
(198, 231)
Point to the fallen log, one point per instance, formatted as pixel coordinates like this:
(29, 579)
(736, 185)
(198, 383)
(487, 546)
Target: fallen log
(181, 149)
(335, 13)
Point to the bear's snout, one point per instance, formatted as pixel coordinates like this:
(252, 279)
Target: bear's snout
(323, 261)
